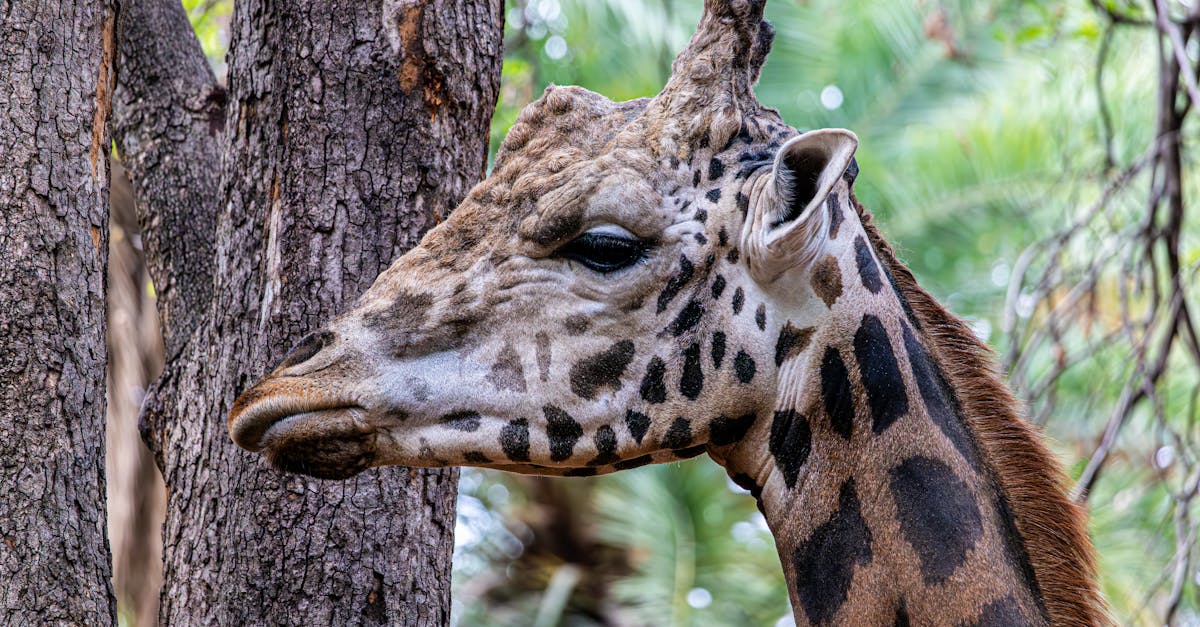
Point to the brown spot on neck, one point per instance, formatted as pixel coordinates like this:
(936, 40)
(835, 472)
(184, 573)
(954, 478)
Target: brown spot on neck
(827, 279)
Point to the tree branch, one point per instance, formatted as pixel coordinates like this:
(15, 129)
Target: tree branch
(1117, 17)
(1178, 47)
(168, 111)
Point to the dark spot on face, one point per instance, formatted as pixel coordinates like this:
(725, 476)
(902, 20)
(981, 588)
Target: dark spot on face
(1001, 613)
(834, 205)
(718, 287)
(743, 203)
(701, 216)
(475, 457)
(305, 349)
(868, 269)
(937, 514)
(687, 318)
(739, 299)
(743, 366)
(723, 431)
(676, 283)
(826, 279)
(542, 342)
(791, 342)
(747, 483)
(689, 452)
(461, 420)
(714, 195)
(514, 440)
(880, 374)
(606, 446)
(691, 381)
(563, 432)
(679, 435)
(718, 348)
(580, 472)
(602, 370)
(700, 239)
(507, 373)
(653, 389)
(722, 237)
(901, 616)
(418, 387)
(716, 169)
(935, 393)
(696, 179)
(790, 444)
(825, 562)
(732, 255)
(760, 316)
(577, 324)
(398, 321)
(835, 390)
(637, 423)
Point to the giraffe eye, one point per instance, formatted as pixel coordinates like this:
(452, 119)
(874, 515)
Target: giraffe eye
(605, 250)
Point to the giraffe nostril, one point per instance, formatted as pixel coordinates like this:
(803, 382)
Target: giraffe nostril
(306, 349)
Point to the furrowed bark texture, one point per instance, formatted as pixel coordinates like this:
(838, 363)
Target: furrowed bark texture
(55, 58)
(349, 128)
(167, 114)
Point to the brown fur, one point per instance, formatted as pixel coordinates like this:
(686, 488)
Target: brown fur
(1053, 528)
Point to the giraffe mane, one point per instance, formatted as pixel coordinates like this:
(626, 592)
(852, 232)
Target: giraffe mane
(1052, 527)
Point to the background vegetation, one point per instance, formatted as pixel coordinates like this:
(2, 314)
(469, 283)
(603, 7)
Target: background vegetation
(1019, 156)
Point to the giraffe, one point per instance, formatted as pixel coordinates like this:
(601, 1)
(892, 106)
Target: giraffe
(641, 282)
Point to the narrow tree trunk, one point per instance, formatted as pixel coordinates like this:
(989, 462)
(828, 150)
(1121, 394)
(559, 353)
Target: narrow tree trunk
(55, 59)
(136, 495)
(348, 130)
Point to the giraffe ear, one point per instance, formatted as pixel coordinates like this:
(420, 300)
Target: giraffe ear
(807, 170)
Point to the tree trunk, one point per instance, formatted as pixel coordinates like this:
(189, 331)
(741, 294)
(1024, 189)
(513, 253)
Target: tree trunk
(136, 495)
(55, 58)
(348, 130)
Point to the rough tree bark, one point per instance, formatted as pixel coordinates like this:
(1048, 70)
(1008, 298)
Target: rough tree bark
(348, 129)
(55, 59)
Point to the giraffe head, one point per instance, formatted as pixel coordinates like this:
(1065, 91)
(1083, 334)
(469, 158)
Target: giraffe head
(609, 296)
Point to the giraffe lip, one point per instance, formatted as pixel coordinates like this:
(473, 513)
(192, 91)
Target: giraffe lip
(259, 416)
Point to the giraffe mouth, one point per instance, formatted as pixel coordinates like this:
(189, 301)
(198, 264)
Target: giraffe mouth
(299, 427)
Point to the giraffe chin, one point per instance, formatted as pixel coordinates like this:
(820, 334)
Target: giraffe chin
(327, 444)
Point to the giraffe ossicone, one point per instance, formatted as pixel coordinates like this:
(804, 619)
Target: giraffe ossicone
(641, 282)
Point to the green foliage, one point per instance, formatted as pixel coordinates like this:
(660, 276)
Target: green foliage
(210, 20)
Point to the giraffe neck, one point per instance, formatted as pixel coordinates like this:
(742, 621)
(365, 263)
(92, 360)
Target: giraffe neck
(881, 505)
